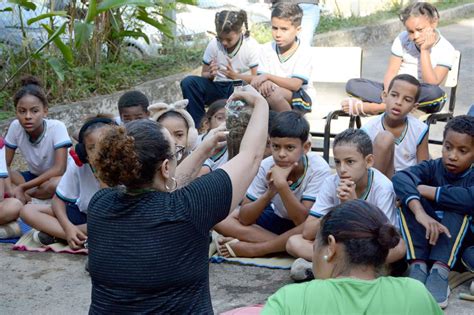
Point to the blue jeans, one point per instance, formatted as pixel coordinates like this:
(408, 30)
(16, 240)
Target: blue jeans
(201, 92)
(309, 23)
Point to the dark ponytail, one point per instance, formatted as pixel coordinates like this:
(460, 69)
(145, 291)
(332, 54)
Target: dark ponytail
(30, 85)
(231, 21)
(363, 229)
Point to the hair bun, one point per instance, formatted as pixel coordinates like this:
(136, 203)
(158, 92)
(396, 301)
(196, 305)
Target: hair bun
(388, 236)
(30, 80)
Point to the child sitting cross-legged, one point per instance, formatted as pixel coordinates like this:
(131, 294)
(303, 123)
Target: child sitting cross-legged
(399, 139)
(355, 179)
(279, 198)
(437, 201)
(65, 220)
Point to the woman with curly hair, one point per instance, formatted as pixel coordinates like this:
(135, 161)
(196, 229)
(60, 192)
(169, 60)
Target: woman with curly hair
(149, 241)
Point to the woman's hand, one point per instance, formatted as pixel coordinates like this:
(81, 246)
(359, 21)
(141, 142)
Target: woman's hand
(249, 95)
(215, 139)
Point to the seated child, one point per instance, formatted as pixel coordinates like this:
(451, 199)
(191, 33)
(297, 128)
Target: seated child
(42, 142)
(232, 55)
(399, 139)
(355, 179)
(132, 105)
(179, 123)
(65, 220)
(9, 207)
(279, 198)
(437, 201)
(420, 51)
(284, 73)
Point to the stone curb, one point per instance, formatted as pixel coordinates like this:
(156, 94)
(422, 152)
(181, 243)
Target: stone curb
(165, 89)
(366, 36)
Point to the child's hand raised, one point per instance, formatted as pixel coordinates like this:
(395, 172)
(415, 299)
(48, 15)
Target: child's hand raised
(247, 94)
(346, 190)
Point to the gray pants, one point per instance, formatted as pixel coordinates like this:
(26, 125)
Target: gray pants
(432, 97)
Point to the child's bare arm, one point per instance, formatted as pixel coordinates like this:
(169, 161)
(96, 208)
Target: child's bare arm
(251, 210)
(422, 152)
(58, 169)
(292, 84)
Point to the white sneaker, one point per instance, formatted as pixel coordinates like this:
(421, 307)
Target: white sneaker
(301, 270)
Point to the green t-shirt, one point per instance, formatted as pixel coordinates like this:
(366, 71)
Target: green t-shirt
(385, 295)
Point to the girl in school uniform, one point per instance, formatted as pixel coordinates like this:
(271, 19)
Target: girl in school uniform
(43, 143)
(66, 219)
(231, 55)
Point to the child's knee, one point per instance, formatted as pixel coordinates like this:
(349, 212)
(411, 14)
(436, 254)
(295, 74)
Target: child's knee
(188, 81)
(384, 141)
(294, 243)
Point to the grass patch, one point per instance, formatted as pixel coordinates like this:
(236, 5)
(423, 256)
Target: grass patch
(82, 82)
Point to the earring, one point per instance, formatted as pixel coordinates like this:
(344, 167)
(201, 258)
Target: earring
(325, 257)
(175, 184)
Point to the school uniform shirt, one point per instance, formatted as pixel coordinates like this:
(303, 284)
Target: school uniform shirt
(39, 155)
(453, 192)
(218, 159)
(406, 145)
(299, 65)
(384, 295)
(441, 54)
(307, 187)
(78, 185)
(3, 161)
(379, 192)
(244, 57)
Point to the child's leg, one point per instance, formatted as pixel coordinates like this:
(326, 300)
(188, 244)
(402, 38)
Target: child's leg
(46, 190)
(384, 152)
(231, 227)
(369, 92)
(10, 210)
(279, 100)
(432, 98)
(297, 246)
(201, 91)
(42, 218)
(418, 248)
(275, 245)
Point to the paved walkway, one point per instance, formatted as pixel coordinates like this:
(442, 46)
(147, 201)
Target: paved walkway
(45, 283)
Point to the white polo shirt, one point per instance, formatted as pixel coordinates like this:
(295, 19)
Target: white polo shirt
(3, 161)
(77, 185)
(218, 159)
(299, 65)
(39, 155)
(244, 57)
(379, 192)
(441, 54)
(406, 145)
(307, 187)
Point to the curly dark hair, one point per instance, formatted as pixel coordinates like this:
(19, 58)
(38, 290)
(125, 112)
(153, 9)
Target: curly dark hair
(131, 155)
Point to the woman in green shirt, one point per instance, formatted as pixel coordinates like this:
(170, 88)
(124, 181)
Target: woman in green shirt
(349, 250)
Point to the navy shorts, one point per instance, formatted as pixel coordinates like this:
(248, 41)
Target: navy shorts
(273, 223)
(301, 102)
(75, 215)
(27, 176)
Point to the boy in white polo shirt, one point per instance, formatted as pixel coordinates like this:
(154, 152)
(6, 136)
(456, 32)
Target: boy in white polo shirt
(284, 72)
(232, 55)
(278, 200)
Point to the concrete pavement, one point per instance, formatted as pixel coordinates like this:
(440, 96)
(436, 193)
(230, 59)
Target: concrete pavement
(46, 283)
